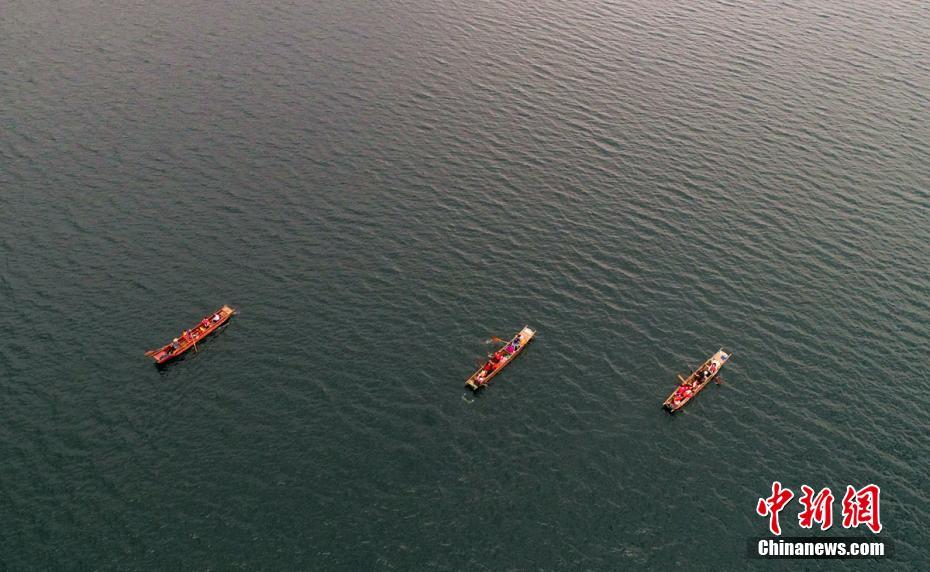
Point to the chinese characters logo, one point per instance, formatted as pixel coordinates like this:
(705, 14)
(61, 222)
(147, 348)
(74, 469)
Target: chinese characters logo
(860, 507)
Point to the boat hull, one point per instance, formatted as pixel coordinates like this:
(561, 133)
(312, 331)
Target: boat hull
(476, 382)
(198, 333)
(718, 360)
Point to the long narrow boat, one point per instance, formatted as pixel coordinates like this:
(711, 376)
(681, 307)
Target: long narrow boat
(190, 338)
(689, 388)
(511, 350)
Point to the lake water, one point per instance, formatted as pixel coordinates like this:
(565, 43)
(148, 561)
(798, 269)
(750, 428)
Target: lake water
(380, 187)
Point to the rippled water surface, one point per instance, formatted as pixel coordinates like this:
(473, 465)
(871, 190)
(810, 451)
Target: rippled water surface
(380, 187)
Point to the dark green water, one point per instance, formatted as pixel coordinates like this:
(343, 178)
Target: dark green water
(380, 187)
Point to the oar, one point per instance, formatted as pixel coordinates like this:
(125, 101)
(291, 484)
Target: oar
(497, 339)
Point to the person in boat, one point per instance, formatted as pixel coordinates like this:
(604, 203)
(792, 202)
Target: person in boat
(205, 323)
(510, 349)
(215, 318)
(488, 368)
(175, 344)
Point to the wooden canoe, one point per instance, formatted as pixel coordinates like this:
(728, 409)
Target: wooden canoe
(190, 338)
(713, 365)
(479, 380)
